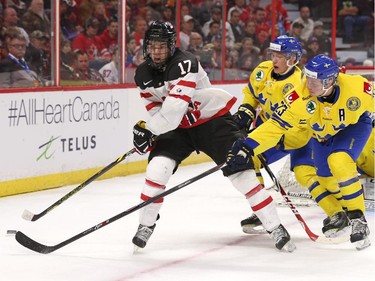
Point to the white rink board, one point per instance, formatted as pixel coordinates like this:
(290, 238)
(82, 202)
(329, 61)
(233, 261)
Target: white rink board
(63, 131)
(84, 129)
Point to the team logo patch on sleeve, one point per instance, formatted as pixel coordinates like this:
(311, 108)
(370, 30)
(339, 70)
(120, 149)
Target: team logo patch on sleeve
(353, 103)
(259, 75)
(292, 97)
(367, 88)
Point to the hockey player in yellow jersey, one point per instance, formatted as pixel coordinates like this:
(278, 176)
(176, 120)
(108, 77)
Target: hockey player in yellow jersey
(270, 81)
(337, 108)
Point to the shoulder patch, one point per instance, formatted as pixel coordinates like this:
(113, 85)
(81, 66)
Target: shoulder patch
(292, 97)
(259, 75)
(353, 103)
(367, 88)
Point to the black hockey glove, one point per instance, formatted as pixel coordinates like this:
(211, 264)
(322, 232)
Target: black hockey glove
(143, 139)
(239, 156)
(244, 116)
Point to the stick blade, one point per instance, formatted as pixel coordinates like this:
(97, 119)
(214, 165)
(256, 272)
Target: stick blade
(27, 215)
(333, 240)
(31, 244)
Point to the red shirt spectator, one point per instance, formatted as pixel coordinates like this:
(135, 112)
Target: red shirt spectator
(281, 15)
(109, 37)
(243, 9)
(88, 42)
(260, 20)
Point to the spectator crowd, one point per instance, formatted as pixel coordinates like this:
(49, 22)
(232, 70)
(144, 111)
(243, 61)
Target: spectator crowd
(89, 50)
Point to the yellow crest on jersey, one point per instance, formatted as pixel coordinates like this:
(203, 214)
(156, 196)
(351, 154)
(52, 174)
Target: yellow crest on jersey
(287, 88)
(353, 103)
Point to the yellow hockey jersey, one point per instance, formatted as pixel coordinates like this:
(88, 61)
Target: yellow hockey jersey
(353, 98)
(265, 91)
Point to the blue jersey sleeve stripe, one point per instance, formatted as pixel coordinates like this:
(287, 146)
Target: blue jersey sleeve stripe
(251, 143)
(251, 89)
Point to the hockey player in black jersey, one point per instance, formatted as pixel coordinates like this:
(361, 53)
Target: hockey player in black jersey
(187, 114)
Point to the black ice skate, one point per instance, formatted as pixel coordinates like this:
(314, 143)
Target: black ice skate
(282, 239)
(326, 221)
(141, 237)
(252, 225)
(336, 225)
(360, 231)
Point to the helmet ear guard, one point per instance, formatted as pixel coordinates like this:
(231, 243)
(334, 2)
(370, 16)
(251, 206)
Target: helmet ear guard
(159, 31)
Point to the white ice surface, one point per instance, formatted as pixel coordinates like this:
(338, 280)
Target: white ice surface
(197, 238)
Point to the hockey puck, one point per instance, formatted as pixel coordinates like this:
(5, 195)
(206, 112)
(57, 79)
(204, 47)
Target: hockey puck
(11, 232)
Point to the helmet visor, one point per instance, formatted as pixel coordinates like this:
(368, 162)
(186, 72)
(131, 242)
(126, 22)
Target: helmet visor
(158, 51)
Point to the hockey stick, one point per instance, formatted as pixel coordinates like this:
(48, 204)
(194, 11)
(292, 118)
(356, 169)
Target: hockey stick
(27, 242)
(27, 215)
(314, 237)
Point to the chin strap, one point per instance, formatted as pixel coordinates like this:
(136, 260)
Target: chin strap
(289, 66)
(326, 91)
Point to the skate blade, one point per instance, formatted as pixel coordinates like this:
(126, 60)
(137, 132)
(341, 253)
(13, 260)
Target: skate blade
(289, 247)
(248, 229)
(363, 244)
(135, 249)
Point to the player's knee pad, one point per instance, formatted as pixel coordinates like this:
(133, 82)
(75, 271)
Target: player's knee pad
(342, 166)
(329, 183)
(347, 179)
(244, 181)
(317, 191)
(305, 175)
(325, 199)
(160, 169)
